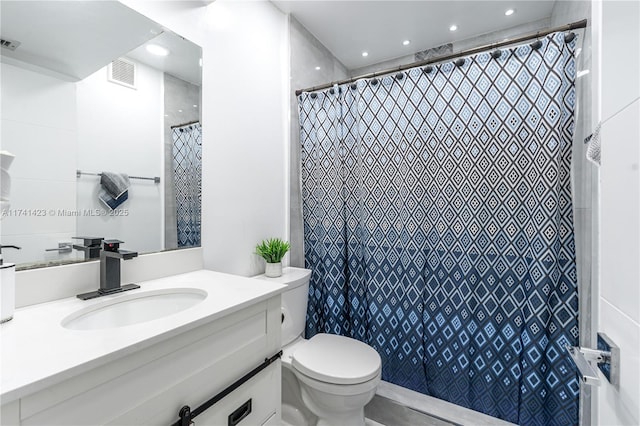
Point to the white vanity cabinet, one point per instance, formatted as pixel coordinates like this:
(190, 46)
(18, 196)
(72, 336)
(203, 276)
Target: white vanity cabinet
(149, 386)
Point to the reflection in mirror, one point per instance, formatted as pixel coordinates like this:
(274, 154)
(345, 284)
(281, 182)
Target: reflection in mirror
(101, 132)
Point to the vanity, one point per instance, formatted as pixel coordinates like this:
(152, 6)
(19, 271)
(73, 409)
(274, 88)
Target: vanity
(138, 357)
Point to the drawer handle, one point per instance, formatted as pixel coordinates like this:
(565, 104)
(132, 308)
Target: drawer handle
(186, 415)
(241, 412)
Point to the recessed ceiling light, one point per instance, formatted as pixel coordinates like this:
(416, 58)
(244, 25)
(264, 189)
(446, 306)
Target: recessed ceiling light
(453, 28)
(195, 106)
(317, 68)
(365, 54)
(406, 42)
(157, 50)
(509, 12)
(179, 110)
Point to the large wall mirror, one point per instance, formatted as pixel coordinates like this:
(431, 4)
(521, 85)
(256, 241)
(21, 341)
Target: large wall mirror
(100, 133)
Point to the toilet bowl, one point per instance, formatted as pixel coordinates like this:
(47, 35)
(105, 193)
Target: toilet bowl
(328, 379)
(338, 376)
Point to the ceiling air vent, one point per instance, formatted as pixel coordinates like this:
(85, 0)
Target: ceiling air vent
(123, 72)
(9, 44)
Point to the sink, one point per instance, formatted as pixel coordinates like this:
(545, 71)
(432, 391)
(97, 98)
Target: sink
(134, 308)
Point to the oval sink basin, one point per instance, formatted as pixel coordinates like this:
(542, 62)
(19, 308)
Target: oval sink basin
(134, 308)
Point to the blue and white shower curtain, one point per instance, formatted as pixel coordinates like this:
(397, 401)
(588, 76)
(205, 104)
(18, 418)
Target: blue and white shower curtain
(438, 225)
(187, 166)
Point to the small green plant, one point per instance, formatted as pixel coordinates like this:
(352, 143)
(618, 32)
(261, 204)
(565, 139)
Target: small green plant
(272, 250)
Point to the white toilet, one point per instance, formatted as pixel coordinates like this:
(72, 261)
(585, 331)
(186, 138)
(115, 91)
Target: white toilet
(328, 379)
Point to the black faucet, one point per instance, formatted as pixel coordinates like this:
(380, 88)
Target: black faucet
(6, 246)
(110, 257)
(91, 246)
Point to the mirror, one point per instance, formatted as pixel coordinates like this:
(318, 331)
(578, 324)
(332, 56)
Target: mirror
(89, 89)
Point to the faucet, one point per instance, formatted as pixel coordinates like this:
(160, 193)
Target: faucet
(6, 246)
(90, 247)
(110, 257)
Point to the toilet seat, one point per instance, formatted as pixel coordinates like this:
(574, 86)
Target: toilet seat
(337, 360)
(339, 390)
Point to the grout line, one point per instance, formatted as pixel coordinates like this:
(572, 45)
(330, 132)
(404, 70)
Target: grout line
(608, 302)
(621, 110)
(42, 126)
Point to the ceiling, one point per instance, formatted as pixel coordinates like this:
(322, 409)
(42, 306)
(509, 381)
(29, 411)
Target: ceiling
(73, 39)
(183, 61)
(347, 28)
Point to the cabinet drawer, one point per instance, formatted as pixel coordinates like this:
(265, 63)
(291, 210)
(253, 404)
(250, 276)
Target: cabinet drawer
(252, 404)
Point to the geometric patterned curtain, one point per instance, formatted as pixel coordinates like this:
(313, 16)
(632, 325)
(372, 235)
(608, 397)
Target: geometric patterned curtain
(438, 224)
(187, 166)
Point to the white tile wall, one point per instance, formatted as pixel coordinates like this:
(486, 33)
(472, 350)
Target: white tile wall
(42, 199)
(620, 405)
(620, 200)
(619, 316)
(620, 55)
(39, 128)
(30, 97)
(41, 152)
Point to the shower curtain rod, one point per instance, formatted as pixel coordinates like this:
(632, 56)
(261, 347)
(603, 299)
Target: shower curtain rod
(567, 27)
(185, 124)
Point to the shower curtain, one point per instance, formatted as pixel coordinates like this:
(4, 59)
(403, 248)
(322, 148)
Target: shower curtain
(187, 166)
(438, 225)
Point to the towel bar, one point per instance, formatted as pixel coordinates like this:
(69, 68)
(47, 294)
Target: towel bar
(155, 179)
(607, 358)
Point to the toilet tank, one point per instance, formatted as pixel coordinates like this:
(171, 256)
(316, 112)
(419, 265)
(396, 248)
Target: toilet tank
(294, 301)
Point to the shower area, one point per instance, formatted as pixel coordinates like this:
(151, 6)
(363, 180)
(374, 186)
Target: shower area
(443, 213)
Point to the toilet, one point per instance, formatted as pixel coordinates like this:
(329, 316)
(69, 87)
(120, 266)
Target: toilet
(328, 379)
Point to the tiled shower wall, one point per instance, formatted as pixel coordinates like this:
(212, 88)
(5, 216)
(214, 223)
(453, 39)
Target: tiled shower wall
(306, 53)
(584, 182)
(619, 307)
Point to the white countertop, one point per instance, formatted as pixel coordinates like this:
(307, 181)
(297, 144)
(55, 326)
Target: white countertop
(37, 352)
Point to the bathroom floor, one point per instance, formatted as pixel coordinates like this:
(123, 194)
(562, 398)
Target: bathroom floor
(383, 411)
(394, 405)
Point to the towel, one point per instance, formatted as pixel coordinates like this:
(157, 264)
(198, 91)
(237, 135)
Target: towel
(115, 183)
(111, 202)
(593, 146)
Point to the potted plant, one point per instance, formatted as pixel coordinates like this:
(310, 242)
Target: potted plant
(272, 251)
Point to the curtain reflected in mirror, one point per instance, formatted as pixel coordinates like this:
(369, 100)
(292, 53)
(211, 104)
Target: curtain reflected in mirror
(187, 167)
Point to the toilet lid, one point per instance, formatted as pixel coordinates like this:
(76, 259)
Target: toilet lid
(337, 359)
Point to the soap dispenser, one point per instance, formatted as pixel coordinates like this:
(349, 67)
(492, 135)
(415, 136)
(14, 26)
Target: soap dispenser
(7, 287)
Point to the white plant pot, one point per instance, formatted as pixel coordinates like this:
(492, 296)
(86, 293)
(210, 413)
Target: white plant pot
(273, 270)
